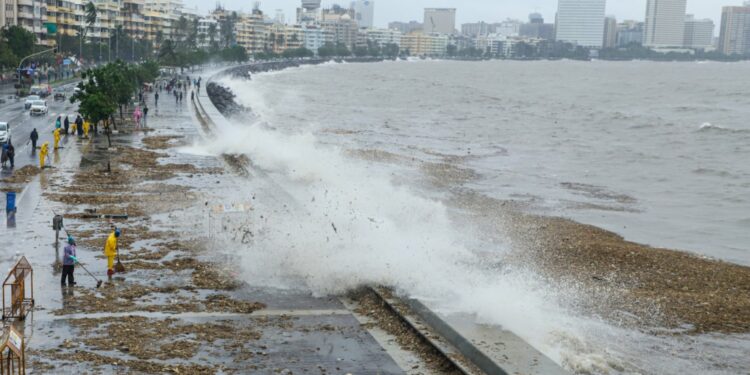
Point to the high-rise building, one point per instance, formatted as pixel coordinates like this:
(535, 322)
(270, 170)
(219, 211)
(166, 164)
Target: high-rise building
(581, 22)
(699, 34)
(734, 38)
(29, 14)
(536, 28)
(309, 13)
(665, 23)
(610, 32)
(440, 20)
(476, 29)
(364, 13)
(629, 32)
(507, 28)
(406, 27)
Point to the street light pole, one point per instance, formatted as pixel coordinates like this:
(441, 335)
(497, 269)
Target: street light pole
(20, 64)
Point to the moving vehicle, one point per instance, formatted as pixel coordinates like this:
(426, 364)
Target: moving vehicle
(30, 99)
(41, 90)
(4, 133)
(39, 107)
(59, 95)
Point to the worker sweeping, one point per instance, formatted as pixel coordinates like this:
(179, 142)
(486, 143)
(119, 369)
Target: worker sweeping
(110, 251)
(56, 134)
(86, 126)
(43, 154)
(69, 261)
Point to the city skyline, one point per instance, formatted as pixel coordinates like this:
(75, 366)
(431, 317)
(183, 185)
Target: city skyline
(475, 10)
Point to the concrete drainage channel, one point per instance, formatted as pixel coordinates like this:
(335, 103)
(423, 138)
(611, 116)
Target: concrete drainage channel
(448, 345)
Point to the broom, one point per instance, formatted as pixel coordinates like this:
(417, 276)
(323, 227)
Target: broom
(119, 268)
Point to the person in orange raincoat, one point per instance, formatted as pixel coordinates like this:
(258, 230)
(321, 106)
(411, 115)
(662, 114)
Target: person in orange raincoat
(43, 154)
(56, 134)
(110, 251)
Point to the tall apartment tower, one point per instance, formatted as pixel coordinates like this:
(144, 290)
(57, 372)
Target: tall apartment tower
(610, 32)
(734, 38)
(699, 34)
(364, 13)
(581, 22)
(665, 23)
(440, 20)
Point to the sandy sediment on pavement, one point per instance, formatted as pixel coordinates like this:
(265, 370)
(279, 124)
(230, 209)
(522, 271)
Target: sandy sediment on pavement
(625, 282)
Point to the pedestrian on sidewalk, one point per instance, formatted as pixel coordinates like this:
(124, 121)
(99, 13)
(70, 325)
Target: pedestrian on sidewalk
(11, 154)
(66, 124)
(58, 122)
(180, 97)
(192, 95)
(69, 262)
(86, 126)
(56, 135)
(43, 154)
(110, 251)
(145, 115)
(156, 99)
(79, 125)
(33, 137)
(137, 117)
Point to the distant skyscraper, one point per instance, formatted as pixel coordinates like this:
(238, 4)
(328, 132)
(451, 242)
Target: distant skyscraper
(734, 38)
(364, 11)
(536, 28)
(404, 27)
(665, 23)
(440, 20)
(698, 33)
(629, 32)
(476, 29)
(581, 22)
(610, 32)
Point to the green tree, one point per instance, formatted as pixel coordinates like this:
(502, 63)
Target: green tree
(20, 41)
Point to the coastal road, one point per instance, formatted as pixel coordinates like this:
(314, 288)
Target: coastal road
(22, 123)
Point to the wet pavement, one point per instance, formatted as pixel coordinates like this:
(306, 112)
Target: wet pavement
(177, 309)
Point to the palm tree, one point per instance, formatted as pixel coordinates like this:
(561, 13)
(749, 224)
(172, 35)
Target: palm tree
(90, 19)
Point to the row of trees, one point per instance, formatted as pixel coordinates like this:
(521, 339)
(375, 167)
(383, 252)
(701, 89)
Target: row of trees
(105, 89)
(15, 44)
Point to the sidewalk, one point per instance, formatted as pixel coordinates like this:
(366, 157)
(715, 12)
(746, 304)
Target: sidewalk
(179, 308)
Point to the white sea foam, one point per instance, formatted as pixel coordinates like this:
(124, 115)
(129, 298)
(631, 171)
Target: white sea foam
(328, 223)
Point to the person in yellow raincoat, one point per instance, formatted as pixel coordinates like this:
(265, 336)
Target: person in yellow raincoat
(110, 251)
(43, 154)
(56, 134)
(73, 128)
(86, 126)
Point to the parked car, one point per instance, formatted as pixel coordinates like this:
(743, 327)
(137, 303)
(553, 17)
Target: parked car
(29, 100)
(39, 107)
(4, 133)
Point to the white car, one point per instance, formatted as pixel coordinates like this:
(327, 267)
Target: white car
(38, 107)
(4, 133)
(30, 99)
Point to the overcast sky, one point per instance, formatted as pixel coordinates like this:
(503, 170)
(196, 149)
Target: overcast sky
(472, 10)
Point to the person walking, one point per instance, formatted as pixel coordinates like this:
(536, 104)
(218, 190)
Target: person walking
(192, 95)
(4, 155)
(66, 125)
(145, 115)
(34, 137)
(180, 97)
(110, 251)
(58, 122)
(69, 262)
(156, 99)
(137, 117)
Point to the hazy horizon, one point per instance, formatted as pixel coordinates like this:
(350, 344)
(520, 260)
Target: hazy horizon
(474, 10)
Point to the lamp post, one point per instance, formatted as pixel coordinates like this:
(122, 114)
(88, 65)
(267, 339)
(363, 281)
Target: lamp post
(20, 64)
